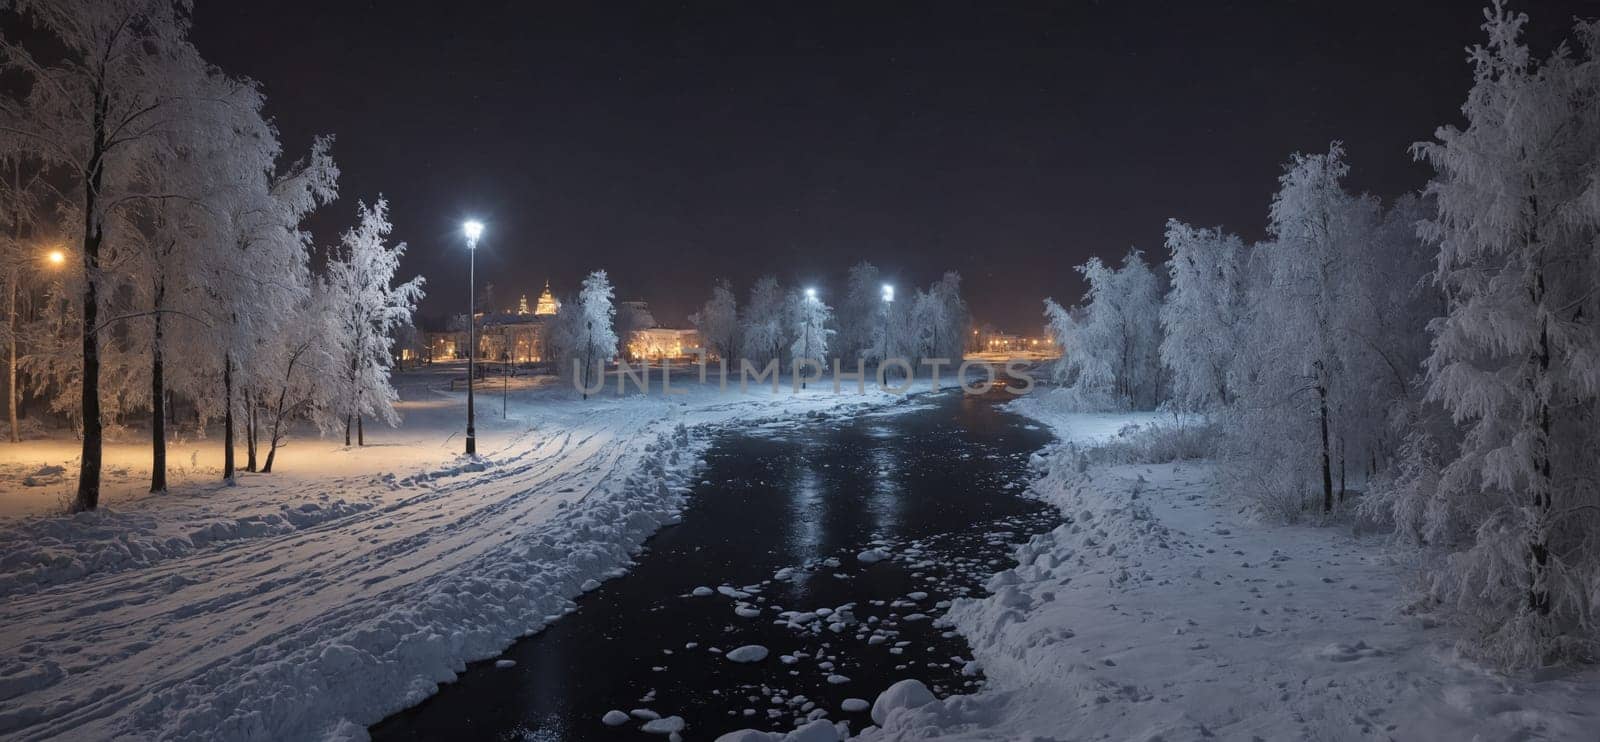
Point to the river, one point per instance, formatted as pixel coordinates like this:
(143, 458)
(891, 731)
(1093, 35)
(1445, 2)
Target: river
(775, 529)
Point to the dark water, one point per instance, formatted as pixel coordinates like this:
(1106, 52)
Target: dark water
(936, 486)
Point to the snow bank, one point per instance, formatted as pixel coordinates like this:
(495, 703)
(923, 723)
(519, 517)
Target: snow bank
(1157, 613)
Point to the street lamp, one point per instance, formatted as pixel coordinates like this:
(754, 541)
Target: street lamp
(56, 257)
(473, 229)
(888, 299)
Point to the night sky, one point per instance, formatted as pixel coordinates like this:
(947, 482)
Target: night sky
(675, 143)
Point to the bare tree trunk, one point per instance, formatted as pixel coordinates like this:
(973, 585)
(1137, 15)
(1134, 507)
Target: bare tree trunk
(280, 412)
(1542, 486)
(588, 357)
(88, 497)
(1327, 470)
(250, 405)
(355, 404)
(1539, 548)
(361, 434)
(277, 426)
(158, 412)
(1341, 470)
(227, 418)
(12, 287)
(11, 356)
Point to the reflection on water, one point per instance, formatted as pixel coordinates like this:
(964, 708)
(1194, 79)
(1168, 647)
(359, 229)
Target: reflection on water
(931, 486)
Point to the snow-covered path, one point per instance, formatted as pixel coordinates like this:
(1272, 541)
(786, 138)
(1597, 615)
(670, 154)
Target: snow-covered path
(1165, 612)
(291, 631)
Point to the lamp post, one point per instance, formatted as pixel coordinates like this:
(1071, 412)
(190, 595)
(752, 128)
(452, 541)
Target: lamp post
(55, 258)
(811, 298)
(888, 299)
(473, 230)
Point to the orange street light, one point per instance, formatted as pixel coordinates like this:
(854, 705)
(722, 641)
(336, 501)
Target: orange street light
(56, 257)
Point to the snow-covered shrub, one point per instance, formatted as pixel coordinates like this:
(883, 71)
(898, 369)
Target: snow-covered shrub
(1272, 472)
(1203, 313)
(1111, 357)
(1159, 443)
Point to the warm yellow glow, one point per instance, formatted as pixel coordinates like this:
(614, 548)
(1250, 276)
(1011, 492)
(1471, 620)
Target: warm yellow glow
(56, 257)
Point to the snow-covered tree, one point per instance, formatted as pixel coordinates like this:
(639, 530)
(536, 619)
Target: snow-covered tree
(939, 319)
(1292, 368)
(809, 317)
(367, 305)
(24, 198)
(1203, 312)
(1111, 355)
(861, 314)
(1387, 304)
(584, 335)
(170, 250)
(300, 357)
(718, 322)
(762, 326)
(1516, 359)
(263, 285)
(115, 79)
(1325, 358)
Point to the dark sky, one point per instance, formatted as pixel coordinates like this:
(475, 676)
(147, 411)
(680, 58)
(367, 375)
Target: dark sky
(673, 143)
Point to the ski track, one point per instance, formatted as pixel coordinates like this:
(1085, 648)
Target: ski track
(137, 651)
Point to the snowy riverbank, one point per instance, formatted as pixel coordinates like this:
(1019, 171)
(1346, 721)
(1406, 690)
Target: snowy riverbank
(314, 604)
(1164, 612)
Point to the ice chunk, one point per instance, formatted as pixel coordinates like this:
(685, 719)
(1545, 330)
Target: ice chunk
(747, 653)
(668, 725)
(872, 556)
(906, 694)
(819, 730)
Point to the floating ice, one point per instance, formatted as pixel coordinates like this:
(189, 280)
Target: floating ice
(747, 653)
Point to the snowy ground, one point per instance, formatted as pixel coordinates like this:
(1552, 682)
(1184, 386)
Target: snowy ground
(1163, 613)
(319, 599)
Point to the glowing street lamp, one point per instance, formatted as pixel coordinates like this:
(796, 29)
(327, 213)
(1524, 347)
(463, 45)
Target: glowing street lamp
(473, 229)
(56, 257)
(888, 299)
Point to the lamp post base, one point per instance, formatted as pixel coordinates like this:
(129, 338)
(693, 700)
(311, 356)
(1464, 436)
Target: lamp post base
(472, 442)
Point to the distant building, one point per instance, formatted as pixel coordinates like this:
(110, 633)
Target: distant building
(656, 343)
(512, 336)
(548, 304)
(505, 337)
(441, 345)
